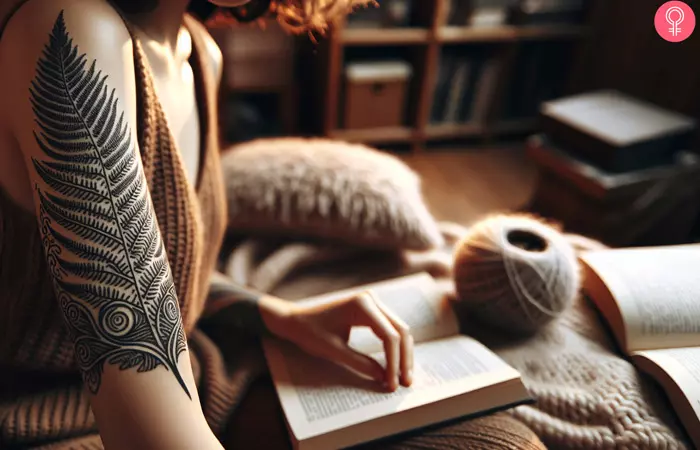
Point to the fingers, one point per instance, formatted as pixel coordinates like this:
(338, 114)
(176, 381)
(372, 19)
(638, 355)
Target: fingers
(406, 344)
(333, 348)
(390, 334)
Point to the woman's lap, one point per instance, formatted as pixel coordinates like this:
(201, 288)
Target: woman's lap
(258, 423)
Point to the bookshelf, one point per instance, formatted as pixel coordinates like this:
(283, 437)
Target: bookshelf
(424, 42)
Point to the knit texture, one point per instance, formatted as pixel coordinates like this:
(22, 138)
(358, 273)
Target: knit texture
(589, 396)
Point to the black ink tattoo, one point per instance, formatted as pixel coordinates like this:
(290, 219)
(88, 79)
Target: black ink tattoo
(237, 307)
(116, 290)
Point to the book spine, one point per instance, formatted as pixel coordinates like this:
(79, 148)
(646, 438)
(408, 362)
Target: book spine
(445, 73)
(485, 90)
(460, 85)
(471, 91)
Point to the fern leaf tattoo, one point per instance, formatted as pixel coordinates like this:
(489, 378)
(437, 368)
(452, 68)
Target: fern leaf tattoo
(116, 289)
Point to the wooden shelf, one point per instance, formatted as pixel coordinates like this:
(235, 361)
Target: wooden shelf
(409, 36)
(384, 36)
(475, 34)
(397, 135)
(422, 47)
(389, 135)
(454, 131)
(551, 32)
(506, 33)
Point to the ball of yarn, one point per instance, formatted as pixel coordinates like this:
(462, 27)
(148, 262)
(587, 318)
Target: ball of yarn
(515, 273)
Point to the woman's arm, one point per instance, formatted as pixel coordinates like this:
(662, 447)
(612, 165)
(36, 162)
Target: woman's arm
(73, 104)
(321, 330)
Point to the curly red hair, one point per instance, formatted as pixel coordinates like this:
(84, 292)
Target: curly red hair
(300, 16)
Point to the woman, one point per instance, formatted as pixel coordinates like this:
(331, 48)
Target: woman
(111, 202)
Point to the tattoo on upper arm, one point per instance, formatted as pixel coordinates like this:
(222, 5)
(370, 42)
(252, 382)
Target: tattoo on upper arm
(99, 229)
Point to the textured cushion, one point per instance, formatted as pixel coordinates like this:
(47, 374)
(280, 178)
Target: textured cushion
(318, 188)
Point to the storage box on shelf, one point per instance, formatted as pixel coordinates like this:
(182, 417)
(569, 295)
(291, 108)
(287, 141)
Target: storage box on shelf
(375, 94)
(431, 29)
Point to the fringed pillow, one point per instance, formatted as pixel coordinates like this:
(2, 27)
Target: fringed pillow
(319, 188)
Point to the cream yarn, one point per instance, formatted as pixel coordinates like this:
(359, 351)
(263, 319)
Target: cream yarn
(515, 273)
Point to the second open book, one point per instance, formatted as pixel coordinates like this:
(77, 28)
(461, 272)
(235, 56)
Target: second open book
(650, 297)
(326, 407)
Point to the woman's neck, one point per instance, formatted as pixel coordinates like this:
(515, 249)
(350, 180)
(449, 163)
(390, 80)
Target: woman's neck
(162, 21)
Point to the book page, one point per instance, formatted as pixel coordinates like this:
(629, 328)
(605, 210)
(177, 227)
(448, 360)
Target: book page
(416, 299)
(678, 371)
(656, 291)
(319, 397)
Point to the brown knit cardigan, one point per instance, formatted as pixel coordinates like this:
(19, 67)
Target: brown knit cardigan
(42, 401)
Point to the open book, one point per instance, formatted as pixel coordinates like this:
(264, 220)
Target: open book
(327, 407)
(650, 296)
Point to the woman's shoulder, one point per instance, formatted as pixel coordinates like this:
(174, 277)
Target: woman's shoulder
(90, 21)
(213, 55)
(43, 33)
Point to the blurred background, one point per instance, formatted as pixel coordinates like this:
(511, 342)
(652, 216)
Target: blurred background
(576, 110)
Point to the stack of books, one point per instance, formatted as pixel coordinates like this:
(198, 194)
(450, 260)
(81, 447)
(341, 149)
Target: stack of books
(617, 168)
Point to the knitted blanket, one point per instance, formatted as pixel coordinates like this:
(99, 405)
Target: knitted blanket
(588, 395)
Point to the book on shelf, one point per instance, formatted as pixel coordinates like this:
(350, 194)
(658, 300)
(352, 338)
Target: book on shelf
(327, 407)
(459, 89)
(547, 12)
(485, 90)
(649, 298)
(615, 131)
(465, 87)
(446, 66)
(489, 13)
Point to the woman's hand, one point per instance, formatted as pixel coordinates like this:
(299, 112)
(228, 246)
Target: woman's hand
(323, 330)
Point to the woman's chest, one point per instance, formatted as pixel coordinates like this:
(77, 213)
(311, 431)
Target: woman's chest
(174, 86)
(177, 98)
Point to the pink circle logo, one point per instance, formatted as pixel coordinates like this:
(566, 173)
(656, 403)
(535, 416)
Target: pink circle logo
(674, 21)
